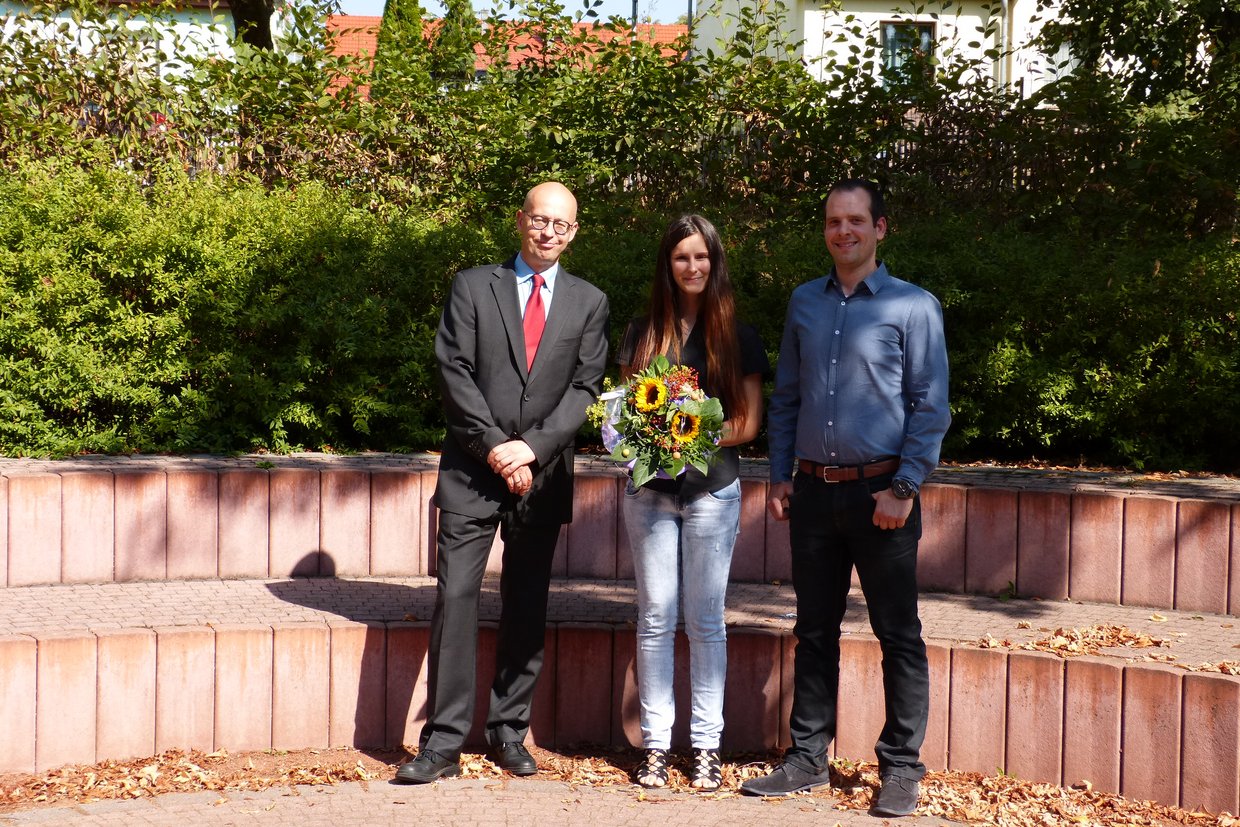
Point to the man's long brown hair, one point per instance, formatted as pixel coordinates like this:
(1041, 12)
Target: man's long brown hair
(717, 313)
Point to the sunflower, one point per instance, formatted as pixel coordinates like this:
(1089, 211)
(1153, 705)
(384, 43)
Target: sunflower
(649, 395)
(685, 427)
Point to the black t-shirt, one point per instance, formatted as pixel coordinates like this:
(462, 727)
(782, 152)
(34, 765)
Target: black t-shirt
(726, 466)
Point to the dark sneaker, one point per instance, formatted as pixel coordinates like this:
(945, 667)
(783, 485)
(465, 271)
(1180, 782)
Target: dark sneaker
(785, 780)
(897, 797)
(428, 766)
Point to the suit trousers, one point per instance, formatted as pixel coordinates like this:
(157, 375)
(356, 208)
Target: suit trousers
(832, 531)
(464, 544)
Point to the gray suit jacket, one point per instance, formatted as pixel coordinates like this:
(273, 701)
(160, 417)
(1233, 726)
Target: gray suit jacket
(489, 397)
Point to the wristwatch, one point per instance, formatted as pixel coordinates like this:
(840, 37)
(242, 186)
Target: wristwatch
(903, 489)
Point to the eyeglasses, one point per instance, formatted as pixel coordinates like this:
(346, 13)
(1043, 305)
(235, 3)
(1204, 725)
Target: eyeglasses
(540, 222)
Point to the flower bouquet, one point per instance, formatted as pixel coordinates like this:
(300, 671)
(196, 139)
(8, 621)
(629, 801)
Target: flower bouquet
(661, 422)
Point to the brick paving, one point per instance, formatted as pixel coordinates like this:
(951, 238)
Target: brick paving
(459, 803)
(1193, 637)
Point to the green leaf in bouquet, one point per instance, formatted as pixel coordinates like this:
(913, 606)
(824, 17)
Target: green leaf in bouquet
(643, 471)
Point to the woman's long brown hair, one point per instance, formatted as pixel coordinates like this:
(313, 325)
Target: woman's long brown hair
(717, 313)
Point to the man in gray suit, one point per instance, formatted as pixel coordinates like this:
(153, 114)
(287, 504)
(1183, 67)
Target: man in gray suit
(521, 349)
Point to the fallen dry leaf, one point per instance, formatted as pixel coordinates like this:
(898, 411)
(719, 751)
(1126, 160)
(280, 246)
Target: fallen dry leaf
(1227, 667)
(1088, 641)
(963, 797)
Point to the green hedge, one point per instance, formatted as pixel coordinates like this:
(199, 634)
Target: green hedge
(216, 314)
(209, 316)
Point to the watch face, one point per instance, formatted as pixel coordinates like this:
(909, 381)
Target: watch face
(903, 489)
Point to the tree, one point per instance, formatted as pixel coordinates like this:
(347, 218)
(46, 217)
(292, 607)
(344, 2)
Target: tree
(1170, 69)
(400, 53)
(252, 21)
(1165, 49)
(452, 57)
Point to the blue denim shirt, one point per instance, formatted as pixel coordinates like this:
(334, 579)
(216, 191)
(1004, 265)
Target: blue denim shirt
(860, 377)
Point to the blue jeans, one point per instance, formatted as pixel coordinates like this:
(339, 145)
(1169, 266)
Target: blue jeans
(682, 547)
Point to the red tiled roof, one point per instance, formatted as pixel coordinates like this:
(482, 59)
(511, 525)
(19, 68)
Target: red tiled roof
(353, 34)
(357, 35)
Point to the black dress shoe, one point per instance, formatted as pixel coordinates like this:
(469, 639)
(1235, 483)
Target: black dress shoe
(428, 766)
(514, 757)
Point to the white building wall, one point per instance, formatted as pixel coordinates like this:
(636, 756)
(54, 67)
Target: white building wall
(827, 30)
(183, 33)
(835, 31)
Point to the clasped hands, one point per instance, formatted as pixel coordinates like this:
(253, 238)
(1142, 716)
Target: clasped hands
(512, 461)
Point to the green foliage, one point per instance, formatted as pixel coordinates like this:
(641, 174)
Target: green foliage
(1066, 348)
(452, 58)
(200, 253)
(400, 59)
(1157, 95)
(210, 315)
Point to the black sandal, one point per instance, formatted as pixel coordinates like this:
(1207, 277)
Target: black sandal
(653, 773)
(707, 772)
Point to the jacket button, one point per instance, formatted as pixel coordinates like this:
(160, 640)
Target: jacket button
(525, 398)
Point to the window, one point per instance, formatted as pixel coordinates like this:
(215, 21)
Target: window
(904, 42)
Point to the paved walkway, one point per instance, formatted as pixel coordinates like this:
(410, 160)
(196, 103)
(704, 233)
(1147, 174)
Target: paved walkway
(458, 803)
(1192, 638)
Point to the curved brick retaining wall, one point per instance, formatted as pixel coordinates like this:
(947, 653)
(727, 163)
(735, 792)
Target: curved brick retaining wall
(1055, 536)
(236, 672)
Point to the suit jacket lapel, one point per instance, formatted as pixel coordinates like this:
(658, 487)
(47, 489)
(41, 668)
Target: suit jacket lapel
(504, 286)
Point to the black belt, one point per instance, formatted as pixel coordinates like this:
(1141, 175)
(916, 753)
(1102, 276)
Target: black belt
(848, 473)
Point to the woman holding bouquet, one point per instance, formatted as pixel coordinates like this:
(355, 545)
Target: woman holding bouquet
(682, 530)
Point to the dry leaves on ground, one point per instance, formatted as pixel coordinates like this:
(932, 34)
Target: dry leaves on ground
(1072, 642)
(177, 771)
(1226, 667)
(1068, 643)
(963, 797)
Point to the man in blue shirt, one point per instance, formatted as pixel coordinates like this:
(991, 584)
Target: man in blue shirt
(858, 414)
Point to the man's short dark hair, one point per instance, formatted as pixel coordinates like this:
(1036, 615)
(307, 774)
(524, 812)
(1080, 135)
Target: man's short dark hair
(877, 208)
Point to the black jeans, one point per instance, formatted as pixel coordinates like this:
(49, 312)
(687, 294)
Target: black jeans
(832, 531)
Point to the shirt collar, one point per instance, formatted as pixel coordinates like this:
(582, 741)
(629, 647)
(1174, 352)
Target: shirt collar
(872, 283)
(525, 272)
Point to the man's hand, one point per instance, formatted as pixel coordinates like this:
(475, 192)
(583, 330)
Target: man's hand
(520, 480)
(507, 457)
(777, 500)
(890, 511)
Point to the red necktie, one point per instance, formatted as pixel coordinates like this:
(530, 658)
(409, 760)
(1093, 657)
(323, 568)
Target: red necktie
(534, 322)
